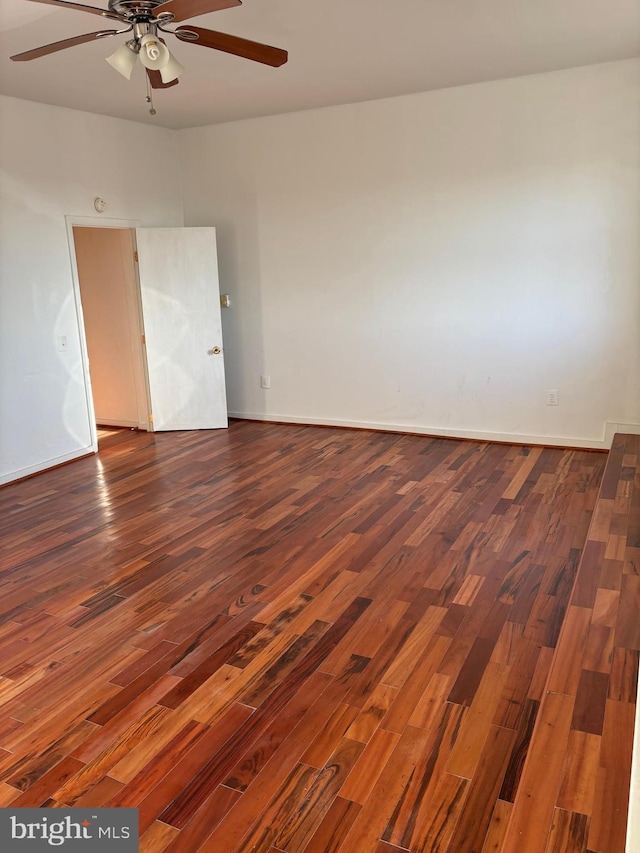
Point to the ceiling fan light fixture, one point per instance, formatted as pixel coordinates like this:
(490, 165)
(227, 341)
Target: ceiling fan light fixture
(124, 58)
(172, 70)
(146, 20)
(154, 55)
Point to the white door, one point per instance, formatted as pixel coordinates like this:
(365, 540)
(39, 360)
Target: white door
(178, 270)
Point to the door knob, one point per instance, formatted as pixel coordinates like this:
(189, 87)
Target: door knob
(215, 351)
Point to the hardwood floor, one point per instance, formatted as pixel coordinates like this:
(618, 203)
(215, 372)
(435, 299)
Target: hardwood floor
(283, 638)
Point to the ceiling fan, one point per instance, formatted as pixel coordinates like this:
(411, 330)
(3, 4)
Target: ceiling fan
(145, 19)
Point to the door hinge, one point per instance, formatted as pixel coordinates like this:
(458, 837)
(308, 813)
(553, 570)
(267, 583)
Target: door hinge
(135, 257)
(144, 339)
(150, 417)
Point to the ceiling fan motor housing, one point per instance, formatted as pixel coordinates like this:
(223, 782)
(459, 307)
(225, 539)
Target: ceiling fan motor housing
(138, 10)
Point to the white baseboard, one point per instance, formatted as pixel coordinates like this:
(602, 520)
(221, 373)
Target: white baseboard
(48, 463)
(603, 443)
(633, 824)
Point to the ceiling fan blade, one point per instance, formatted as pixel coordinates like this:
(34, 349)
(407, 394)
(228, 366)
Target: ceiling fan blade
(233, 44)
(37, 52)
(183, 9)
(155, 78)
(64, 4)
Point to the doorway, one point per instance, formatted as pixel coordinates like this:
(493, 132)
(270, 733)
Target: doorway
(112, 319)
(154, 297)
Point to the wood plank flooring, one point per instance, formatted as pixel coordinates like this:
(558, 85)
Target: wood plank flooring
(589, 704)
(280, 638)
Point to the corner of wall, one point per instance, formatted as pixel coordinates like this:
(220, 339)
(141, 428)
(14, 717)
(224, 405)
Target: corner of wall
(175, 138)
(612, 428)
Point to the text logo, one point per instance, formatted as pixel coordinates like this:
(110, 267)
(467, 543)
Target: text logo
(72, 830)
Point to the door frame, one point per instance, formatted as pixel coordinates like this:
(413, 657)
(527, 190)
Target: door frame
(101, 222)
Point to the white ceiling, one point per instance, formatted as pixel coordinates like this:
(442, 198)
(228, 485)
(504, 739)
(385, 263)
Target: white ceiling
(340, 51)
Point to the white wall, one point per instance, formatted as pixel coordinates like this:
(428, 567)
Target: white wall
(434, 262)
(53, 162)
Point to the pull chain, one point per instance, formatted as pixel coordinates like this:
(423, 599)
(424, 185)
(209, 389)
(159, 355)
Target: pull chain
(149, 98)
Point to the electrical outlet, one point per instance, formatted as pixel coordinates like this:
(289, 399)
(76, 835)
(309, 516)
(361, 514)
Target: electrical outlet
(553, 397)
(265, 382)
(63, 343)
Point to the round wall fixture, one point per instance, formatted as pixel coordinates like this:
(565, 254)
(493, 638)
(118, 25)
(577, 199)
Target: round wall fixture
(100, 204)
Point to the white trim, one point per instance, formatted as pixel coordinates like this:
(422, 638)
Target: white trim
(612, 428)
(146, 417)
(84, 355)
(98, 222)
(633, 823)
(478, 435)
(45, 465)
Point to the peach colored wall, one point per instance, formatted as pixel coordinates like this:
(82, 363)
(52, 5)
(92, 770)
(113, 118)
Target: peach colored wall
(107, 288)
